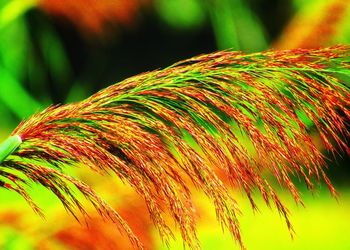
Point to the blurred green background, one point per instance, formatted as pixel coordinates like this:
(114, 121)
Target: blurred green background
(60, 51)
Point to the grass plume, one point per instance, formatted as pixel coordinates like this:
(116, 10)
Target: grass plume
(166, 130)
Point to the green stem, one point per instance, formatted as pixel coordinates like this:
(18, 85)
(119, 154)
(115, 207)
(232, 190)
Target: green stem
(14, 9)
(9, 146)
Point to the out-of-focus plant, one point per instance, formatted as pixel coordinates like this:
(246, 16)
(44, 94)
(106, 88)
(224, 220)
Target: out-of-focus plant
(12, 63)
(62, 232)
(27, 67)
(233, 22)
(317, 24)
(94, 16)
(181, 14)
(236, 26)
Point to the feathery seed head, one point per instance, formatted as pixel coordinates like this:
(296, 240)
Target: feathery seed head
(203, 121)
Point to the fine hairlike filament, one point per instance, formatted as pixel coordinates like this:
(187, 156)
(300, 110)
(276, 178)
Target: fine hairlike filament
(214, 121)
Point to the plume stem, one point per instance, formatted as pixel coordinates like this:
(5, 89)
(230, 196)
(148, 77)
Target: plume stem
(9, 146)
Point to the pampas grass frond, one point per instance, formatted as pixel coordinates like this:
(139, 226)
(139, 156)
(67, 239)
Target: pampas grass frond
(166, 130)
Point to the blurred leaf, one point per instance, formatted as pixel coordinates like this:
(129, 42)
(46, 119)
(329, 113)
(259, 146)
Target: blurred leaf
(185, 14)
(54, 59)
(77, 92)
(55, 56)
(11, 10)
(14, 46)
(298, 4)
(236, 26)
(15, 96)
(222, 18)
(7, 121)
